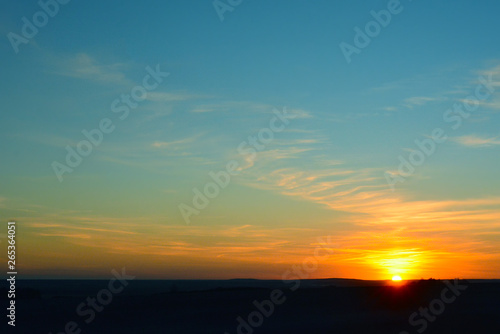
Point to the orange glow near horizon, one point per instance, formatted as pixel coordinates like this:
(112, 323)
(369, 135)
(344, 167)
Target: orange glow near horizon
(397, 262)
(248, 251)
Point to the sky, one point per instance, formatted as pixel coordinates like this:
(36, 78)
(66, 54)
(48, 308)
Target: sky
(316, 117)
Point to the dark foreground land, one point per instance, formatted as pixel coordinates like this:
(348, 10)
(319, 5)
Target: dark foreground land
(250, 306)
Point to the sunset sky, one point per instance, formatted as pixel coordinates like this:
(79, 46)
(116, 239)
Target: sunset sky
(323, 177)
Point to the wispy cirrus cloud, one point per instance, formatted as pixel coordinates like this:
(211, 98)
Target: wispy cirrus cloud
(493, 72)
(65, 235)
(231, 106)
(477, 141)
(421, 100)
(84, 66)
(175, 96)
(393, 231)
(247, 106)
(175, 144)
(143, 236)
(300, 113)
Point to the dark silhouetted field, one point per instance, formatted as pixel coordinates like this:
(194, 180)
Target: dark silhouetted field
(318, 306)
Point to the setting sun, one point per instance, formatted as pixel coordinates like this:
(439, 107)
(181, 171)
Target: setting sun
(396, 278)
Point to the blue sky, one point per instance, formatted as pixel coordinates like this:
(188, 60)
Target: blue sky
(351, 123)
